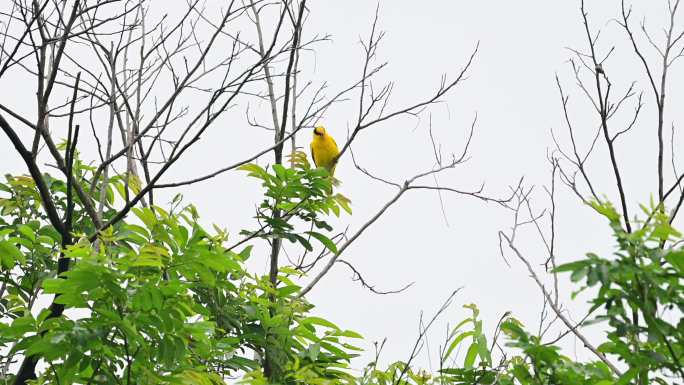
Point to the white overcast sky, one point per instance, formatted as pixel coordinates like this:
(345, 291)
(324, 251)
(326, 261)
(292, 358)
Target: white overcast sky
(511, 87)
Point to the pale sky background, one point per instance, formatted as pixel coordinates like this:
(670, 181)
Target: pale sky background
(512, 89)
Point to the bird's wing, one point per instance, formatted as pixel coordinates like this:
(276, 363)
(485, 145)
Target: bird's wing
(313, 154)
(336, 154)
(337, 149)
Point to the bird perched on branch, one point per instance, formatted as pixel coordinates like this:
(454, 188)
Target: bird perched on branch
(324, 150)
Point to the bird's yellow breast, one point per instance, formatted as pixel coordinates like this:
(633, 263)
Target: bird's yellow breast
(324, 151)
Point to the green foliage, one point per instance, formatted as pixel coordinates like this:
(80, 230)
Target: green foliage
(295, 206)
(297, 194)
(640, 296)
(543, 364)
(158, 299)
(150, 300)
(536, 364)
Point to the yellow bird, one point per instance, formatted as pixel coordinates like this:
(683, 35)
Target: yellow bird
(324, 150)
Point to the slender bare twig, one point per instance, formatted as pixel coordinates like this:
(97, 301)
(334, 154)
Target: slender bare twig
(358, 277)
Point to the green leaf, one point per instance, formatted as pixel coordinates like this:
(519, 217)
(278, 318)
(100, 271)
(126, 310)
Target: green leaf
(27, 232)
(483, 350)
(522, 374)
(313, 351)
(470, 356)
(246, 252)
(304, 242)
(457, 341)
(578, 274)
(218, 262)
(54, 285)
(148, 260)
(287, 290)
(9, 254)
(607, 210)
(344, 202)
(627, 377)
(146, 216)
(512, 328)
(280, 171)
(349, 334)
(676, 259)
(327, 242)
(572, 266)
(319, 321)
(254, 171)
(51, 232)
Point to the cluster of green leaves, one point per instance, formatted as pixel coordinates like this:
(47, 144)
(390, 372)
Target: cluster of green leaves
(530, 362)
(158, 299)
(297, 194)
(133, 300)
(542, 364)
(478, 348)
(27, 245)
(297, 201)
(640, 296)
(472, 370)
(399, 373)
(302, 354)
